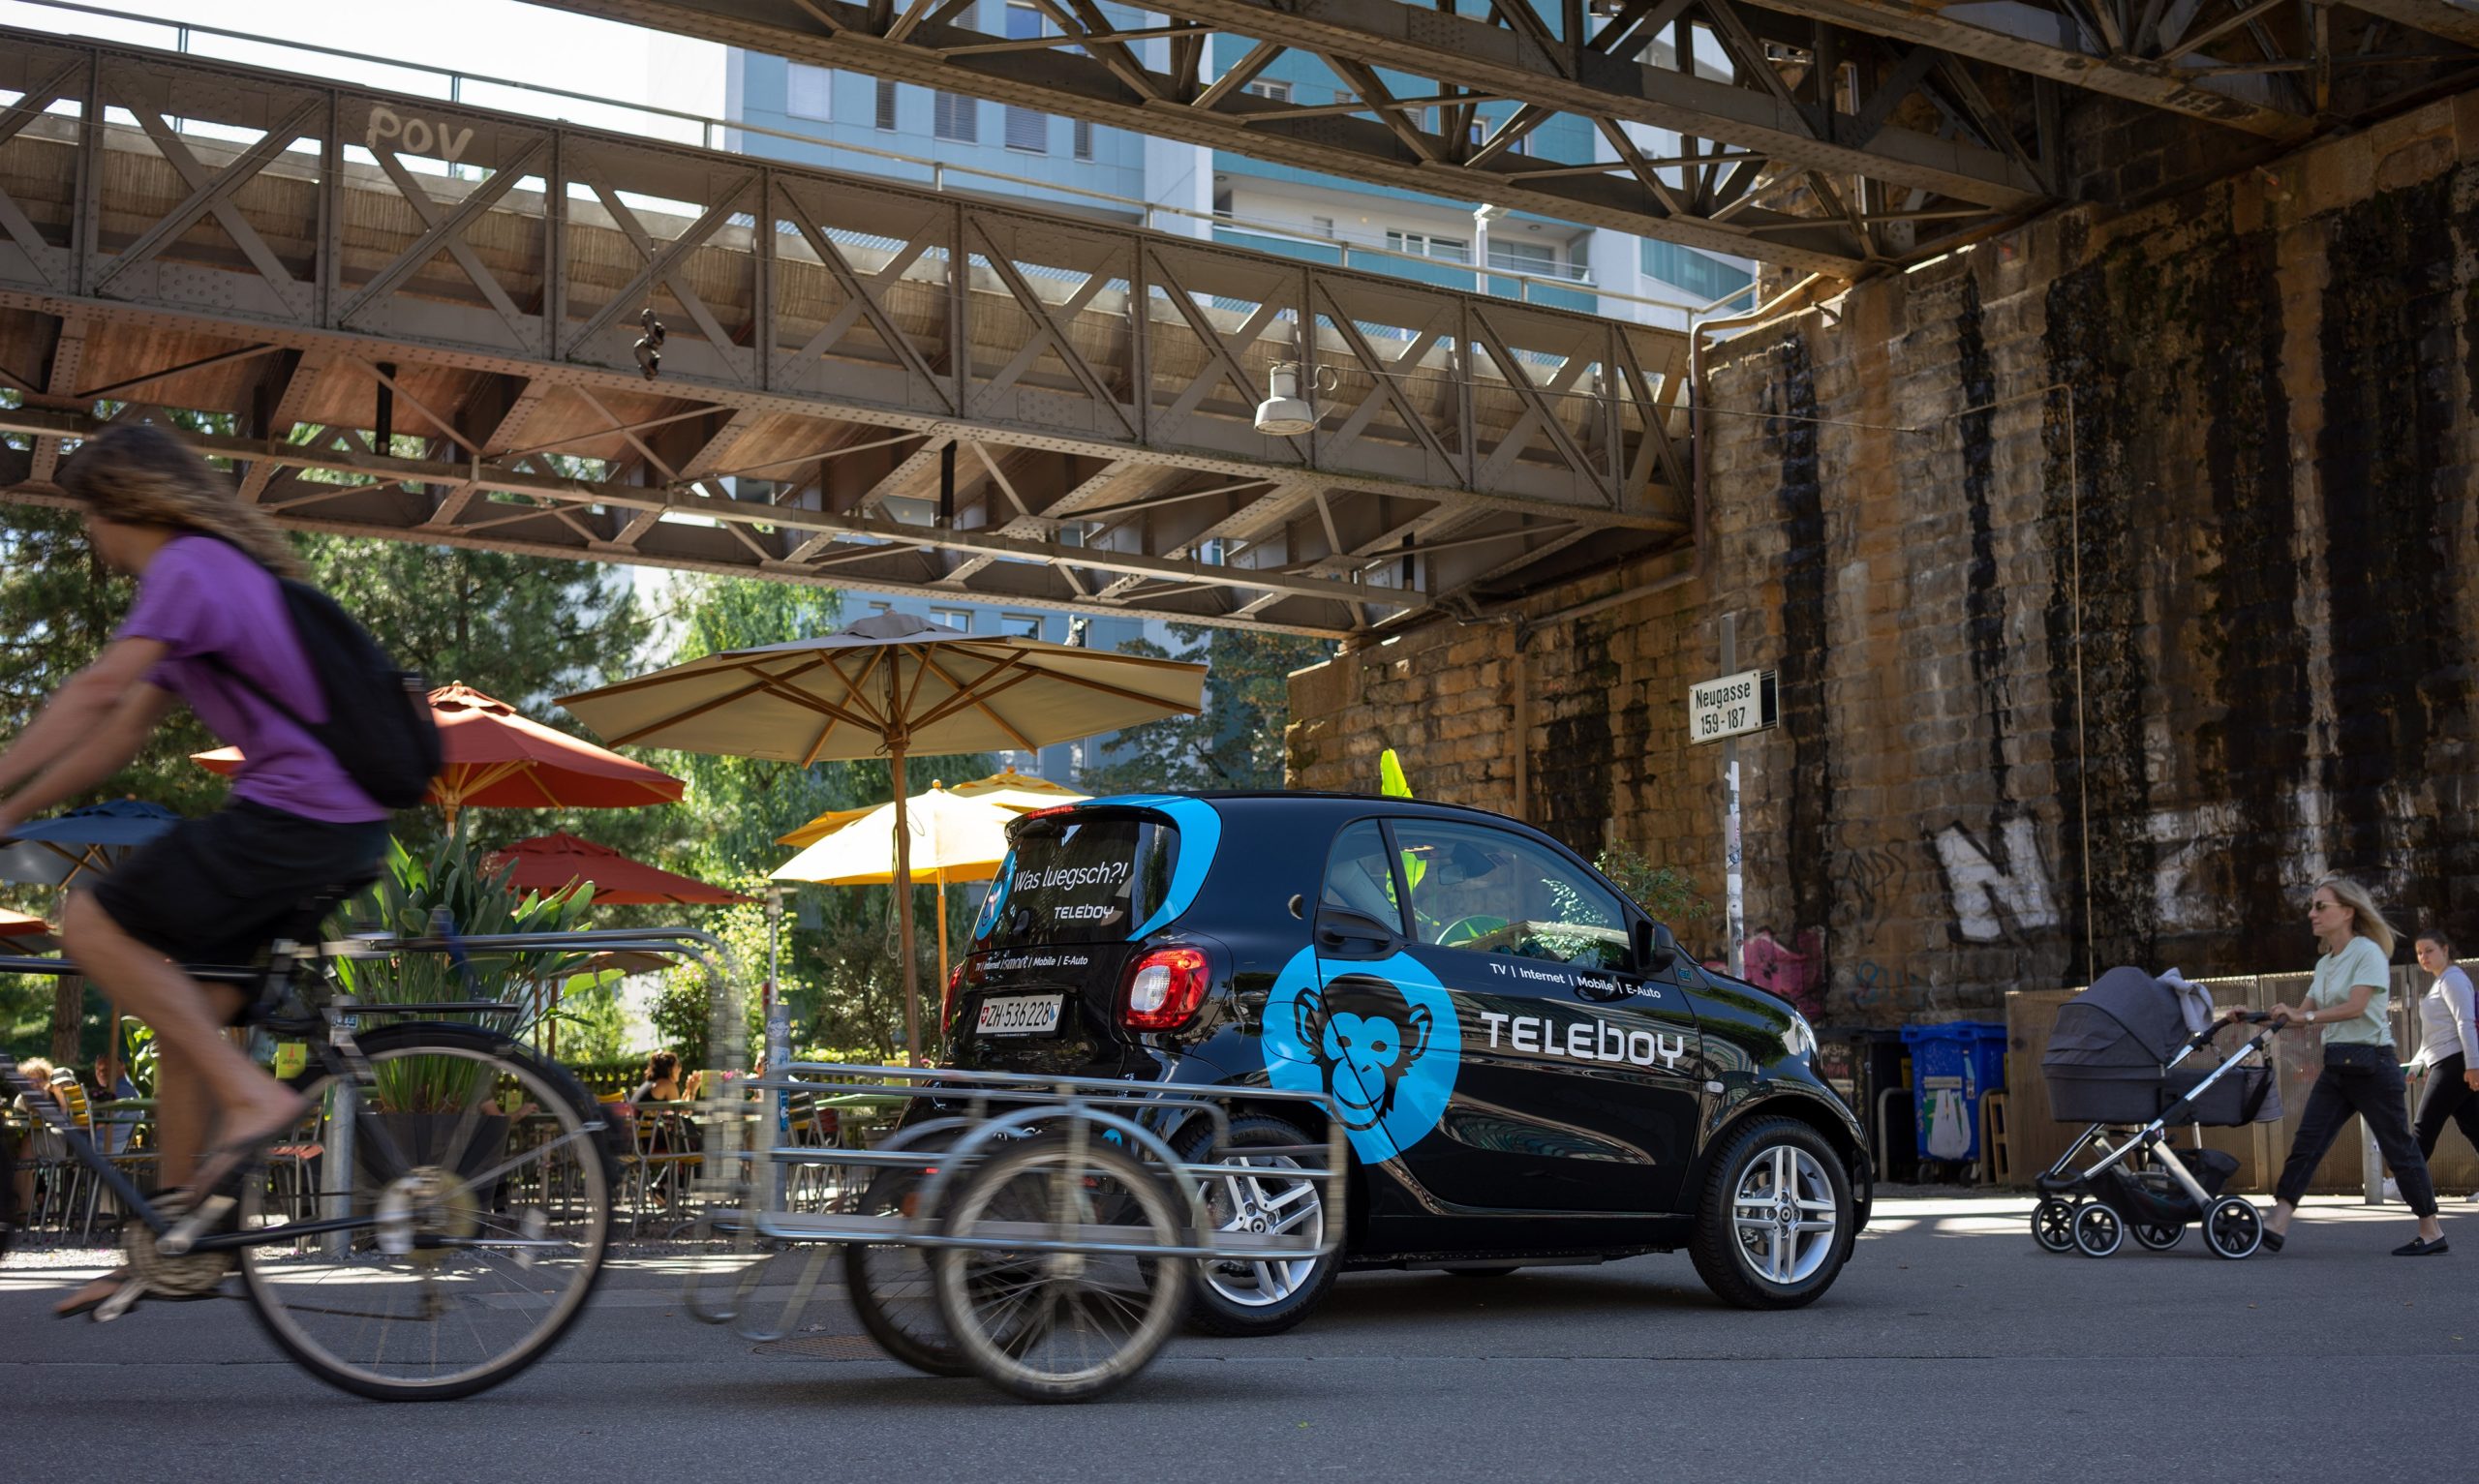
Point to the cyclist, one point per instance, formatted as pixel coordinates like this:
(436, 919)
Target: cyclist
(209, 628)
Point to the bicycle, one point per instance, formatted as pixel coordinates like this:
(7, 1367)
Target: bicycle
(465, 1194)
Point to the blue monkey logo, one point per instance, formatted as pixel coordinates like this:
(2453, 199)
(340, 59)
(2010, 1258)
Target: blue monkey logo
(1382, 1041)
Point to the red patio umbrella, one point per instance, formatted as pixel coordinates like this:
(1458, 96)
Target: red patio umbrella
(23, 934)
(497, 759)
(554, 863)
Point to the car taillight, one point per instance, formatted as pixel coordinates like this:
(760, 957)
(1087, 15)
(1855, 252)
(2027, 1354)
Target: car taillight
(947, 999)
(1166, 987)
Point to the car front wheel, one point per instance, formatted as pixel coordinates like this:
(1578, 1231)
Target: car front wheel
(1774, 1227)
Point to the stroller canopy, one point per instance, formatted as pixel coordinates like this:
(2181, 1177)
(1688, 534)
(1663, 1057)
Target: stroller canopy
(2128, 1019)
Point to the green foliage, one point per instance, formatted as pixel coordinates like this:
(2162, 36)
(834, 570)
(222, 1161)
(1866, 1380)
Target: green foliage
(593, 1025)
(1237, 740)
(446, 885)
(1665, 892)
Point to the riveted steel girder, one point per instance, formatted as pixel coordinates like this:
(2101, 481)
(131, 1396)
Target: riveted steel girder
(398, 316)
(1768, 165)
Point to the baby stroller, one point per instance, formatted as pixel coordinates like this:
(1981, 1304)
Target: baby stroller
(2125, 1056)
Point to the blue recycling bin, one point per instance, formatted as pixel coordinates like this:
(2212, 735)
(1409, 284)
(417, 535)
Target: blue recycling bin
(1952, 1067)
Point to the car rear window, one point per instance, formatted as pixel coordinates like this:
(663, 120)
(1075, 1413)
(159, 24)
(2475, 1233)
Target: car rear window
(1082, 879)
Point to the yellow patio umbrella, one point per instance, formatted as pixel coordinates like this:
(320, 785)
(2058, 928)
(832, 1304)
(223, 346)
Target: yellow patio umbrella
(952, 839)
(1021, 792)
(892, 684)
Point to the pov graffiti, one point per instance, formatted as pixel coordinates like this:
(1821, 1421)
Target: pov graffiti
(1794, 971)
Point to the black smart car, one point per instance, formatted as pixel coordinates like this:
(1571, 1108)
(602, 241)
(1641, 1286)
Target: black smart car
(1528, 1069)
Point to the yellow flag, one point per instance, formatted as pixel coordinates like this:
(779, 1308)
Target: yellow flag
(1390, 774)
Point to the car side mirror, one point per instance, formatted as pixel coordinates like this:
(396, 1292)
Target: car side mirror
(1656, 949)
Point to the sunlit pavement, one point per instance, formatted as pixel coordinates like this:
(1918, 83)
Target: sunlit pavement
(1951, 1347)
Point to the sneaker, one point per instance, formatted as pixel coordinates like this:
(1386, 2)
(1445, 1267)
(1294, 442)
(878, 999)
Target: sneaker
(2392, 1189)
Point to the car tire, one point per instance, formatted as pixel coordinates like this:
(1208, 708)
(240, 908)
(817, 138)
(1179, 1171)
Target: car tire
(1231, 1298)
(1788, 1261)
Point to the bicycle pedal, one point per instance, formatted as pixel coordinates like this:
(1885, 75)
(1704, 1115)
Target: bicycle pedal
(184, 1236)
(124, 1299)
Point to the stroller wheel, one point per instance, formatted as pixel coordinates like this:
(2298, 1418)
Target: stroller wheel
(2053, 1225)
(2098, 1230)
(2233, 1228)
(2158, 1238)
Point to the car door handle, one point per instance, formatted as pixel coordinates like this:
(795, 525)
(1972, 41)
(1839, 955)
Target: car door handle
(1343, 931)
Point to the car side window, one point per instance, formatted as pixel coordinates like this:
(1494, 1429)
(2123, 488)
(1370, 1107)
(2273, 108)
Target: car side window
(1358, 877)
(1486, 892)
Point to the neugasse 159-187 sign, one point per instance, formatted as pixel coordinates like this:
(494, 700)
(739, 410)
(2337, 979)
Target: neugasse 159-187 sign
(1731, 707)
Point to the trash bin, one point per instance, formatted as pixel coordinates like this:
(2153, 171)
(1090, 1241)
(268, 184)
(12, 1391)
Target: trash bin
(1954, 1065)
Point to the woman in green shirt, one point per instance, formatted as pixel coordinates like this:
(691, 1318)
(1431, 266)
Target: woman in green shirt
(2350, 999)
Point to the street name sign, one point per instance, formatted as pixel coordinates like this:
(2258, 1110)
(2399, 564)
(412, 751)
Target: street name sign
(1732, 706)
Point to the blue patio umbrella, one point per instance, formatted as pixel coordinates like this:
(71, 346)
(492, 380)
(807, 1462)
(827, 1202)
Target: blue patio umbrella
(53, 852)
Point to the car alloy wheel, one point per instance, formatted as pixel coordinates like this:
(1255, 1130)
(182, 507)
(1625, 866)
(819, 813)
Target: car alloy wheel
(1784, 1217)
(1256, 1199)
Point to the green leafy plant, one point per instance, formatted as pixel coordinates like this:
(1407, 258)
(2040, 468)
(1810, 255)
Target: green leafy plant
(1665, 892)
(447, 885)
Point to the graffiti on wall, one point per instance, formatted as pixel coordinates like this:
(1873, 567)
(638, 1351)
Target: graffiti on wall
(2004, 895)
(1793, 970)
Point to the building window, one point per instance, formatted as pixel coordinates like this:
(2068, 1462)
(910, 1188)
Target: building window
(1084, 131)
(957, 619)
(1020, 625)
(1706, 277)
(1324, 226)
(886, 105)
(1279, 92)
(809, 92)
(1026, 129)
(1482, 128)
(1519, 256)
(1431, 245)
(958, 118)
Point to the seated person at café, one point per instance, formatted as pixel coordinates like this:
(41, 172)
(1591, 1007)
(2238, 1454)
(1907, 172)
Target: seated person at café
(40, 1143)
(662, 1080)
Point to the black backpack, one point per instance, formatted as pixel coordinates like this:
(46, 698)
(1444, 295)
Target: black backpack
(378, 727)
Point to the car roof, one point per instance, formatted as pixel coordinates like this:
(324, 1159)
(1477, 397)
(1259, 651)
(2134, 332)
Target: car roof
(1333, 799)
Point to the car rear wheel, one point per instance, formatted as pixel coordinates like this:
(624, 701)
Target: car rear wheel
(1774, 1228)
(1258, 1298)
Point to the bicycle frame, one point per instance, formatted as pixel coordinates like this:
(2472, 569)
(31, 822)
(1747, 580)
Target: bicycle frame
(329, 1030)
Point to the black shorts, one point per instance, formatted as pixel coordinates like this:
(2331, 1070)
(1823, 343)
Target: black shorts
(216, 891)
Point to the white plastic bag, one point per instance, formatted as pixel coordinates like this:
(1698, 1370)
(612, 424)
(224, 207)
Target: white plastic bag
(1950, 1132)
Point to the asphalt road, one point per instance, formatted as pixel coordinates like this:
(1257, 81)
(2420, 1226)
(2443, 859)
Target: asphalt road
(1952, 1347)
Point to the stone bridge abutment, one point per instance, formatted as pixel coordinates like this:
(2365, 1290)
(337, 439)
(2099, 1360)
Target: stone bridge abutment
(2121, 575)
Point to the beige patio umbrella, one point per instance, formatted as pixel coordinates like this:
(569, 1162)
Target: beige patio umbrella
(897, 684)
(1020, 792)
(950, 838)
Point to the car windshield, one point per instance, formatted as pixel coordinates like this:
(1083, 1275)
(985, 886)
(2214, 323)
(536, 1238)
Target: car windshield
(1080, 879)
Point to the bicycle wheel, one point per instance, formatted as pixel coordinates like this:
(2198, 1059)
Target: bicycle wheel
(894, 1293)
(1053, 1326)
(480, 1198)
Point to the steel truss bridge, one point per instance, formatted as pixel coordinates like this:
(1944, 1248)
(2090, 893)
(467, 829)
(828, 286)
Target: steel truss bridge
(1827, 135)
(407, 319)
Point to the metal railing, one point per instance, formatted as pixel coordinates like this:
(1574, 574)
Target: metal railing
(725, 135)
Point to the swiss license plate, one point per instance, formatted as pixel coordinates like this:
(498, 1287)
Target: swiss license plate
(1018, 1015)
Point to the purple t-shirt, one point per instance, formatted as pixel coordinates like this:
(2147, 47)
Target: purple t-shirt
(200, 596)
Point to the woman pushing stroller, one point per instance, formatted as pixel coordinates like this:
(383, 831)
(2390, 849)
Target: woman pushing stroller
(2350, 1000)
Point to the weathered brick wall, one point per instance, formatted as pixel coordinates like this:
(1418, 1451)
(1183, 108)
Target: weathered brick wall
(2128, 581)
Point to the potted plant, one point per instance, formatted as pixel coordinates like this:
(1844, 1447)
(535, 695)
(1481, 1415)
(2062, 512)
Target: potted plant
(421, 1101)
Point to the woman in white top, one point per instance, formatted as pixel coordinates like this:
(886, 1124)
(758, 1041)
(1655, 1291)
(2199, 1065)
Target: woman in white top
(2351, 1000)
(2448, 1046)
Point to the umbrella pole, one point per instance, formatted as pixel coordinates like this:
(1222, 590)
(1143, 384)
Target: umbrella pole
(904, 910)
(942, 935)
